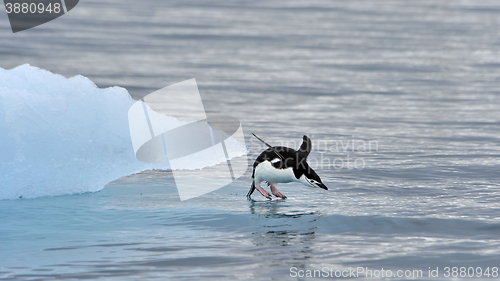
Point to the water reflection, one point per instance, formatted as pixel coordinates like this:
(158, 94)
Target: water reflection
(285, 233)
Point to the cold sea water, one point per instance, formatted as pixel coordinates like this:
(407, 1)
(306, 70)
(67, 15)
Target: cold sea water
(401, 99)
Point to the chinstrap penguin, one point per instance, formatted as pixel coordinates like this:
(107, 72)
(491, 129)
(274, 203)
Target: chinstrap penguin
(279, 164)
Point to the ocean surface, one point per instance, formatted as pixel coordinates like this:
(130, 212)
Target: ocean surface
(400, 98)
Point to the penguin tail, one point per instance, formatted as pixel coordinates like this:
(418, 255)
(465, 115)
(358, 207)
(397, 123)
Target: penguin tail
(252, 189)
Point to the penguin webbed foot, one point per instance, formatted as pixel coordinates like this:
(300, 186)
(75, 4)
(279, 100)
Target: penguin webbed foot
(277, 193)
(263, 192)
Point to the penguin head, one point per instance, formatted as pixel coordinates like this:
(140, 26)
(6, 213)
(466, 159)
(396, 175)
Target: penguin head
(310, 178)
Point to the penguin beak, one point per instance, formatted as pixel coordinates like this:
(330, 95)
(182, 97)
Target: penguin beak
(320, 185)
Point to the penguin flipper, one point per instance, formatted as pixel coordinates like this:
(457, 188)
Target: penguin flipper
(271, 147)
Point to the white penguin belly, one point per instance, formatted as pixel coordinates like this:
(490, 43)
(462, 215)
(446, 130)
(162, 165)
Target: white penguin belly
(266, 172)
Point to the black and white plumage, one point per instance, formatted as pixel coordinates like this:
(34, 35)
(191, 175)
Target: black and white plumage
(279, 164)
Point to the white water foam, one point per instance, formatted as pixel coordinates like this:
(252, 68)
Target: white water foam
(65, 135)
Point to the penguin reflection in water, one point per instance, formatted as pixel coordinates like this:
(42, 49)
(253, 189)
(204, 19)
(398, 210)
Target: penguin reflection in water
(279, 164)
